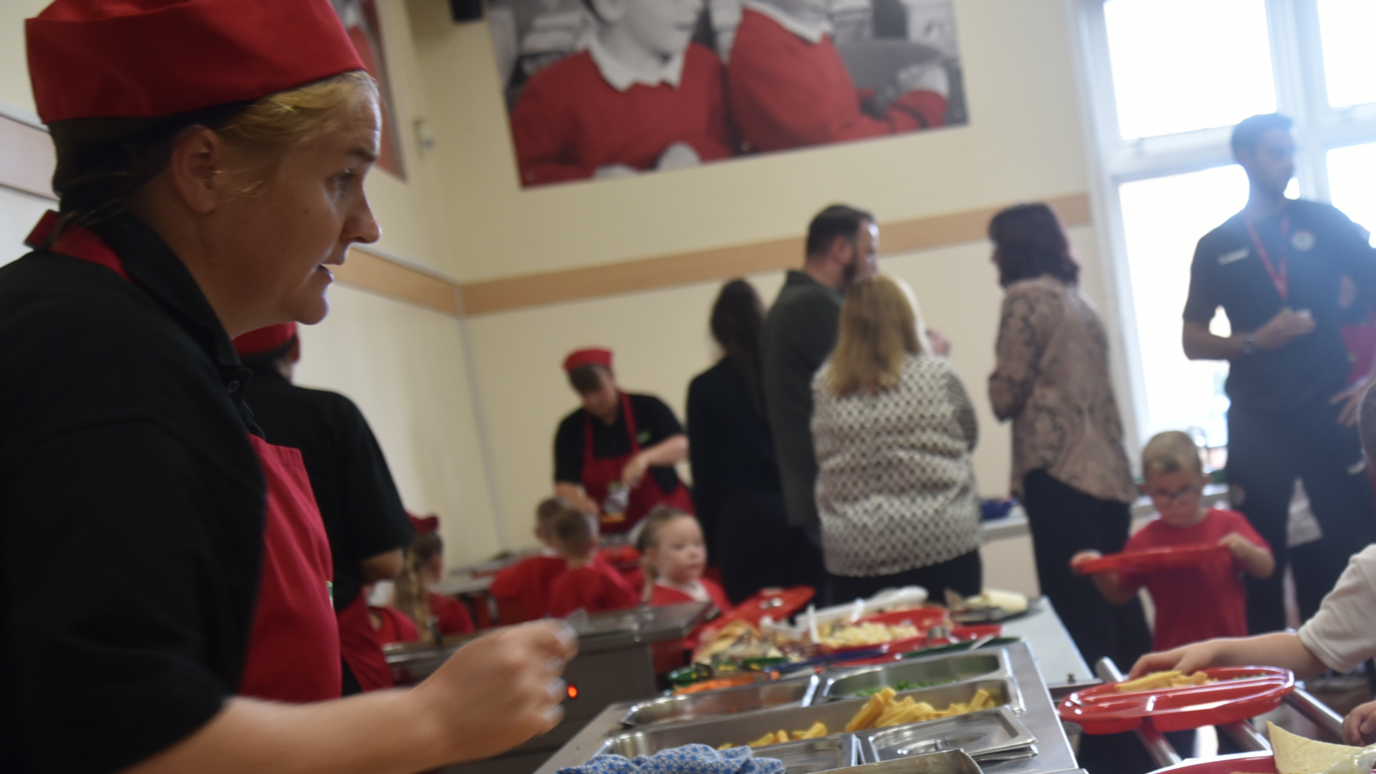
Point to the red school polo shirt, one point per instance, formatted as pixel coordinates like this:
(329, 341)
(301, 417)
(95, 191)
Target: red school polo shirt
(1200, 602)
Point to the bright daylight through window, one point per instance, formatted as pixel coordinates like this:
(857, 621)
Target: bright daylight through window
(1168, 79)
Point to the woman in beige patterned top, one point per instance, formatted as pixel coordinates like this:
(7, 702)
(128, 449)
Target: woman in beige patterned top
(1069, 466)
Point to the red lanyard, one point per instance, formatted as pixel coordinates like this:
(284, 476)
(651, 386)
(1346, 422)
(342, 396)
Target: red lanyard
(1279, 278)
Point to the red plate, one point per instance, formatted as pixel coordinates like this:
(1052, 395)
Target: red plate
(923, 618)
(1155, 559)
(1240, 693)
(1251, 763)
(779, 604)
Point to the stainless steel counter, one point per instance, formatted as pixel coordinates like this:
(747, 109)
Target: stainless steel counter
(1038, 715)
(1061, 662)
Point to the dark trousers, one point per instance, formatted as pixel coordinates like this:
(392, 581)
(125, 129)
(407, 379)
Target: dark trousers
(965, 574)
(756, 548)
(1267, 451)
(1065, 521)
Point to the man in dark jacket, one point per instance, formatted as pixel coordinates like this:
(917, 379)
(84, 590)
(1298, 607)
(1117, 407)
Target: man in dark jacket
(799, 334)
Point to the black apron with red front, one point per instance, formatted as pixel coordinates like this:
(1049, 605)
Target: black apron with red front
(599, 473)
(293, 648)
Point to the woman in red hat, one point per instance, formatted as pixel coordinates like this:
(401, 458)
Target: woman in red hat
(614, 457)
(165, 567)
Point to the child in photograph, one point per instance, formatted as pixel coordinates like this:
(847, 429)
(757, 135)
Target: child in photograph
(641, 97)
(522, 590)
(417, 587)
(789, 88)
(673, 557)
(587, 584)
(1202, 601)
(1339, 637)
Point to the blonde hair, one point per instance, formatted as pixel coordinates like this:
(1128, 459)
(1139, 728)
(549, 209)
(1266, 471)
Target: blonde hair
(412, 594)
(103, 163)
(1171, 452)
(880, 326)
(648, 538)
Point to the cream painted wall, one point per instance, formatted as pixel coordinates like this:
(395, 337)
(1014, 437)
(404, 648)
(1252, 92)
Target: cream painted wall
(404, 367)
(1023, 142)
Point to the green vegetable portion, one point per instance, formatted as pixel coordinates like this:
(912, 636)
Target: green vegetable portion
(901, 686)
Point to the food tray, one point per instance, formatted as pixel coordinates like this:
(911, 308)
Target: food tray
(813, 755)
(985, 735)
(738, 729)
(1154, 559)
(1240, 693)
(1252, 763)
(949, 762)
(943, 669)
(727, 701)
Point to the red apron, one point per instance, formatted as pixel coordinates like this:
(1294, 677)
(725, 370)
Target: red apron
(600, 472)
(293, 647)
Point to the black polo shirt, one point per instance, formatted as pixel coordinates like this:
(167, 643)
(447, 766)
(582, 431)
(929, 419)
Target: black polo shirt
(1319, 248)
(654, 422)
(353, 486)
(131, 509)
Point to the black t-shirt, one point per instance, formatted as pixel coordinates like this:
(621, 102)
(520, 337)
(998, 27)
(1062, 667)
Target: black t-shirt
(358, 500)
(131, 508)
(1320, 247)
(654, 422)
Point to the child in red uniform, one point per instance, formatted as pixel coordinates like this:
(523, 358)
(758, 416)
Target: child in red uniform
(587, 584)
(673, 556)
(430, 610)
(789, 88)
(390, 624)
(522, 590)
(641, 97)
(1192, 603)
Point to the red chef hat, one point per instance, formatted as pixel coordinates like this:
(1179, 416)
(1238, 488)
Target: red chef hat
(592, 356)
(150, 58)
(426, 525)
(265, 339)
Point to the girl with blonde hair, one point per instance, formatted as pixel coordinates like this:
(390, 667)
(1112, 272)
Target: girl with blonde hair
(893, 429)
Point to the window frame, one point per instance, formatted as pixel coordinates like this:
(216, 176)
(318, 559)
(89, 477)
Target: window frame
(1301, 93)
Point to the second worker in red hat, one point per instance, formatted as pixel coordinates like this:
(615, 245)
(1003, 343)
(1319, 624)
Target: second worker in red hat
(614, 457)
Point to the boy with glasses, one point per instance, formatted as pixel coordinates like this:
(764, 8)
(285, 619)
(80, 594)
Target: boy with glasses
(1200, 601)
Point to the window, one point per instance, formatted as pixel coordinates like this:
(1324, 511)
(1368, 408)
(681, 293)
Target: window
(1167, 80)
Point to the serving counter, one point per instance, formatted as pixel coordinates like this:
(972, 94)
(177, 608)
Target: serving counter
(1020, 735)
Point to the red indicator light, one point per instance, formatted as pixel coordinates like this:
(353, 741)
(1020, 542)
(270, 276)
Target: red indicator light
(573, 691)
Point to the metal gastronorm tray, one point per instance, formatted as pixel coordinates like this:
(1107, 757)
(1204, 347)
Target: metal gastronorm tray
(727, 701)
(938, 670)
(949, 762)
(740, 729)
(813, 755)
(988, 734)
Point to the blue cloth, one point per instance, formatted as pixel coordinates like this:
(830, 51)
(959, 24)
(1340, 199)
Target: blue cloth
(689, 759)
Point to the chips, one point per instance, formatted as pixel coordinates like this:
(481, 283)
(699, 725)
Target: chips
(1158, 680)
(882, 711)
(861, 634)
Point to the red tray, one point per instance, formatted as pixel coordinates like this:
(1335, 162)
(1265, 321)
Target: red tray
(1246, 763)
(1155, 559)
(779, 604)
(923, 618)
(1240, 693)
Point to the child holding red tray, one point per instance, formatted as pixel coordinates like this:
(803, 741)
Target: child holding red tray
(1203, 600)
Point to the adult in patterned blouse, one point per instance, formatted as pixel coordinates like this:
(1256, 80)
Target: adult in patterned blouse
(641, 97)
(789, 88)
(893, 430)
(1069, 466)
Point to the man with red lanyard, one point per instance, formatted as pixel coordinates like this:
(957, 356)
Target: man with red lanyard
(614, 457)
(164, 566)
(1276, 268)
(359, 504)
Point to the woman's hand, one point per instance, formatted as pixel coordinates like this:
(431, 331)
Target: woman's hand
(634, 471)
(1082, 557)
(499, 690)
(1359, 727)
